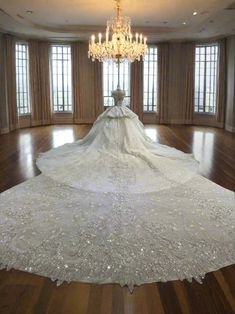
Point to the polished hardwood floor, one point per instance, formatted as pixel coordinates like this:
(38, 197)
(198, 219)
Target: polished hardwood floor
(23, 293)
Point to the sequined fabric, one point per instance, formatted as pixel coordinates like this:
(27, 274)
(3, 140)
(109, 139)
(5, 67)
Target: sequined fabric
(117, 208)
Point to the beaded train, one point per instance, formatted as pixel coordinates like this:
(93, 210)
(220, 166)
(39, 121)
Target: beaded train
(116, 207)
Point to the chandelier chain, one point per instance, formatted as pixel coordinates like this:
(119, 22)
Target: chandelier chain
(118, 7)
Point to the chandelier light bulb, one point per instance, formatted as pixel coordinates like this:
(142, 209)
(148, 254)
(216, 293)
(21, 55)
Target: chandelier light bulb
(131, 37)
(136, 37)
(100, 36)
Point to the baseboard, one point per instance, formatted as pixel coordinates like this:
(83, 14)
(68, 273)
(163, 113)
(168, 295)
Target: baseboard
(179, 121)
(41, 122)
(4, 130)
(85, 121)
(230, 128)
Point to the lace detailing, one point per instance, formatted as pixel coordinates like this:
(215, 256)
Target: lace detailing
(114, 229)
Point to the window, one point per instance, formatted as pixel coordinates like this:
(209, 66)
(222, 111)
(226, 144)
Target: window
(61, 78)
(22, 78)
(110, 81)
(150, 80)
(206, 58)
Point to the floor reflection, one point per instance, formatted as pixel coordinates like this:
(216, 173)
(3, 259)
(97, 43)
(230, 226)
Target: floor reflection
(152, 133)
(214, 149)
(61, 137)
(26, 155)
(203, 149)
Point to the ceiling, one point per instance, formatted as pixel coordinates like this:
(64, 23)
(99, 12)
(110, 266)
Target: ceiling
(78, 19)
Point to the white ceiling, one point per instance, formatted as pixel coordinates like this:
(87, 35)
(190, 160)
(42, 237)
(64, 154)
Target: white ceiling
(158, 19)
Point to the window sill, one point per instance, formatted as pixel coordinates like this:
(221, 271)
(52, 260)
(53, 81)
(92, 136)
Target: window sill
(150, 112)
(62, 112)
(205, 113)
(24, 115)
(106, 107)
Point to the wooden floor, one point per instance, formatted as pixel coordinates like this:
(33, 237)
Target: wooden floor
(22, 293)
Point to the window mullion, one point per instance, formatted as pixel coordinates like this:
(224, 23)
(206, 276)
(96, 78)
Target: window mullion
(204, 89)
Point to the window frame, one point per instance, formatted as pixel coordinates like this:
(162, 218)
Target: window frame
(155, 78)
(51, 76)
(28, 91)
(197, 99)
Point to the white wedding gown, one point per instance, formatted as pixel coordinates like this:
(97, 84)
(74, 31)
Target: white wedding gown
(116, 207)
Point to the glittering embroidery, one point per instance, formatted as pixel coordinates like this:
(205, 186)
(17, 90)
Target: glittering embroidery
(116, 207)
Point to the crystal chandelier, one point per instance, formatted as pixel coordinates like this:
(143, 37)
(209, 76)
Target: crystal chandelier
(119, 43)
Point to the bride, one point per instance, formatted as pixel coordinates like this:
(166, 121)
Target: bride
(116, 207)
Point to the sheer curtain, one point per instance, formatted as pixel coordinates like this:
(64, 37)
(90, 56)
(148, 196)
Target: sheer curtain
(87, 85)
(39, 82)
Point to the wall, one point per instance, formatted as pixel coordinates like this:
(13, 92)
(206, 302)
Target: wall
(176, 90)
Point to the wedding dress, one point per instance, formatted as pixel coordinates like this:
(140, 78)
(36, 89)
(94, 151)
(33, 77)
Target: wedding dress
(116, 207)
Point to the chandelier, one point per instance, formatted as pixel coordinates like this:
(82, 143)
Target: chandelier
(119, 44)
